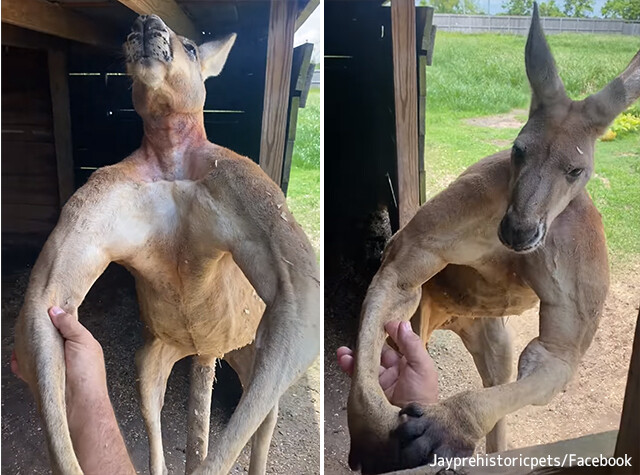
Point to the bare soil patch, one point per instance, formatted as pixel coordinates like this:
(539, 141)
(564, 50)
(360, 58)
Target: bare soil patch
(591, 403)
(500, 121)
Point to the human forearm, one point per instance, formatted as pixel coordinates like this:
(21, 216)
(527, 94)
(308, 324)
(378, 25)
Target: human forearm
(96, 436)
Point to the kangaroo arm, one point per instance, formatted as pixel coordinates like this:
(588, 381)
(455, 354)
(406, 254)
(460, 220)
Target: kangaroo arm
(252, 222)
(65, 270)
(430, 241)
(74, 256)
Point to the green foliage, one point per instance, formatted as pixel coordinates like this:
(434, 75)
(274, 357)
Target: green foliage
(303, 196)
(467, 7)
(518, 7)
(306, 150)
(625, 9)
(626, 124)
(550, 9)
(578, 8)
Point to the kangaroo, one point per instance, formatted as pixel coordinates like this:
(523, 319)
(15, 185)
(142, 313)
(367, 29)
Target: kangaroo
(222, 269)
(515, 229)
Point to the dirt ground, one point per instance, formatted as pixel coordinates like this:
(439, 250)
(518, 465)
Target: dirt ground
(591, 403)
(110, 312)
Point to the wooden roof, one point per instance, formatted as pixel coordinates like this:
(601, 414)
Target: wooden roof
(105, 23)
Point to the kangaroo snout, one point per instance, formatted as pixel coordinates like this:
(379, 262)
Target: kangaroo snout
(520, 235)
(150, 39)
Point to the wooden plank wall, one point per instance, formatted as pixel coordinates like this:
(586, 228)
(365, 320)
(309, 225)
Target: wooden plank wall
(30, 201)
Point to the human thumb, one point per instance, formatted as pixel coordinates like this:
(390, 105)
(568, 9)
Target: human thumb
(410, 344)
(68, 326)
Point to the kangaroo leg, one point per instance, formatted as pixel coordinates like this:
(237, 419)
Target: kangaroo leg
(242, 362)
(155, 361)
(491, 344)
(203, 371)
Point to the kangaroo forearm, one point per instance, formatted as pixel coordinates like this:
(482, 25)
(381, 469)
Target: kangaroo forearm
(547, 374)
(387, 299)
(40, 352)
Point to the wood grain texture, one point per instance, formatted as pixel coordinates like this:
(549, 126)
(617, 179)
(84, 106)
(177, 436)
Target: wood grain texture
(53, 19)
(277, 87)
(170, 12)
(403, 31)
(627, 443)
(59, 86)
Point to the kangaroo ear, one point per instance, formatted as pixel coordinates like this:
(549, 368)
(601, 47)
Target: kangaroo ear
(214, 54)
(602, 107)
(546, 85)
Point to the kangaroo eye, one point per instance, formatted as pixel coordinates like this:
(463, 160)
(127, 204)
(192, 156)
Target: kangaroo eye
(574, 174)
(517, 154)
(191, 50)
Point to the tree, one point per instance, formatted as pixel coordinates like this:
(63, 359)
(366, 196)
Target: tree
(518, 7)
(455, 6)
(550, 9)
(579, 8)
(625, 9)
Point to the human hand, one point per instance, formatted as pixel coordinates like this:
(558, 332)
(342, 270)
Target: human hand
(86, 380)
(406, 376)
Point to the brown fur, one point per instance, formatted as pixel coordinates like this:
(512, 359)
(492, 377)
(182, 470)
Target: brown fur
(219, 262)
(513, 229)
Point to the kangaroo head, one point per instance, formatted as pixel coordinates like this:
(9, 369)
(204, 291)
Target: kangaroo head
(552, 157)
(169, 70)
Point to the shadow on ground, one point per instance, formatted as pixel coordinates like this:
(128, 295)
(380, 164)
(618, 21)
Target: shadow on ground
(110, 312)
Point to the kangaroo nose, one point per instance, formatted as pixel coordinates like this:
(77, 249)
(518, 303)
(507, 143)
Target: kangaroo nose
(145, 23)
(138, 24)
(153, 22)
(518, 235)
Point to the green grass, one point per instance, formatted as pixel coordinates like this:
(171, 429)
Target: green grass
(482, 75)
(303, 196)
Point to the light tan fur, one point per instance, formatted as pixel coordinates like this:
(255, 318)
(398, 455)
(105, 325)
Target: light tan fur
(515, 228)
(220, 264)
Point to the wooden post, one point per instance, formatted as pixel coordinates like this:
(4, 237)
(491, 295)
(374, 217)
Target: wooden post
(59, 86)
(627, 443)
(277, 85)
(403, 31)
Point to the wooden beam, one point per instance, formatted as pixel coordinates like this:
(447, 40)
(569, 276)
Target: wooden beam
(627, 443)
(306, 12)
(171, 14)
(403, 33)
(22, 38)
(52, 19)
(277, 85)
(59, 86)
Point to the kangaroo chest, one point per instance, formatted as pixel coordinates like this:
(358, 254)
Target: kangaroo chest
(191, 295)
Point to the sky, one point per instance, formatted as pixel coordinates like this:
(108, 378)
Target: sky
(311, 32)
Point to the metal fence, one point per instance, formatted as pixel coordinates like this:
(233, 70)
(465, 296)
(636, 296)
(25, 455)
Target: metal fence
(519, 25)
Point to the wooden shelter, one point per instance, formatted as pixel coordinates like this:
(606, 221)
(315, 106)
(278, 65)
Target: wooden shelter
(66, 99)
(375, 96)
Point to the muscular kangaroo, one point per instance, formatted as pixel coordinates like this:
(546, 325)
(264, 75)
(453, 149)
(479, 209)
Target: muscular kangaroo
(516, 228)
(222, 269)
